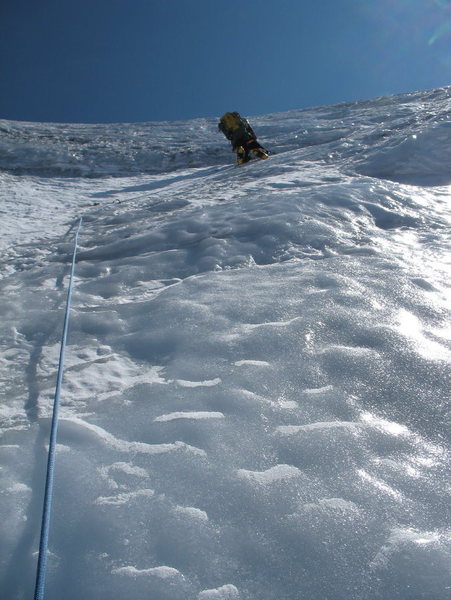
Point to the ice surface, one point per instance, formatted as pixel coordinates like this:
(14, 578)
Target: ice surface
(225, 592)
(189, 415)
(257, 373)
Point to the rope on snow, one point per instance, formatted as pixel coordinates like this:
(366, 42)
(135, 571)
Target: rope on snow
(43, 543)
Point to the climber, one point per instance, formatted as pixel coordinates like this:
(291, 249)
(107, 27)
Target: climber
(241, 136)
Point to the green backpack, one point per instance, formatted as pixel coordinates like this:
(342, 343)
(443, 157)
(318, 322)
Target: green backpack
(231, 121)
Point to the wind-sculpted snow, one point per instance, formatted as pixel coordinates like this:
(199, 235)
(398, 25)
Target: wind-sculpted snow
(257, 371)
(78, 150)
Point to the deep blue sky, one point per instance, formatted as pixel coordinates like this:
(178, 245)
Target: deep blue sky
(148, 60)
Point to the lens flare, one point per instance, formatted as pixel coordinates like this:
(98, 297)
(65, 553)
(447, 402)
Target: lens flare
(440, 32)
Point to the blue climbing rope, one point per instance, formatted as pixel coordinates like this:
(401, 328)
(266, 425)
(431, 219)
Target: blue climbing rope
(44, 539)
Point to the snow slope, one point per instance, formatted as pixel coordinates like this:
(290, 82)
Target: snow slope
(257, 372)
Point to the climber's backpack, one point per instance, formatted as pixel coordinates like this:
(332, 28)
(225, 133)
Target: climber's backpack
(231, 121)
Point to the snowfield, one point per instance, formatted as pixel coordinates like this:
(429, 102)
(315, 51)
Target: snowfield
(255, 395)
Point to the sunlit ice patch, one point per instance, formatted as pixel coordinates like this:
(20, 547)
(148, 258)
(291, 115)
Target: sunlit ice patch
(411, 327)
(389, 427)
